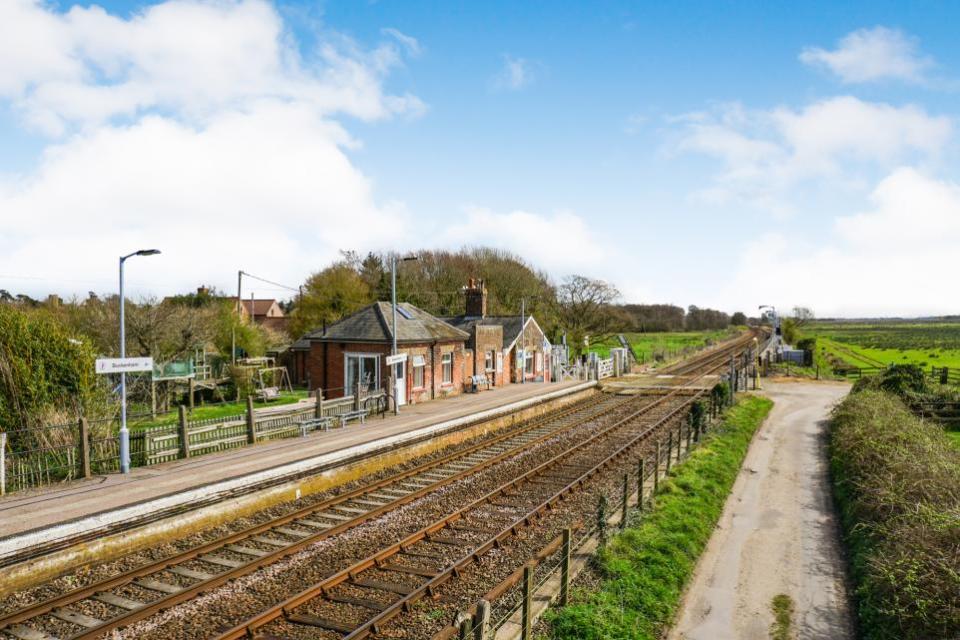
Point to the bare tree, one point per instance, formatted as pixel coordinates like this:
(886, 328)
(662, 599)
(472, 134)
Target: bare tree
(585, 309)
(802, 316)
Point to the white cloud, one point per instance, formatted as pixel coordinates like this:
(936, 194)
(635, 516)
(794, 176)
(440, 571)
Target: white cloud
(896, 258)
(220, 151)
(515, 74)
(560, 243)
(411, 44)
(869, 55)
(767, 153)
(86, 67)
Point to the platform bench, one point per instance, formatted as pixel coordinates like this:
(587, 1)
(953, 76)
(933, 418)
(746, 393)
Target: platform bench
(314, 424)
(360, 414)
(474, 383)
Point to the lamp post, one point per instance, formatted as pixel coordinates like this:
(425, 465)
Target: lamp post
(393, 348)
(124, 432)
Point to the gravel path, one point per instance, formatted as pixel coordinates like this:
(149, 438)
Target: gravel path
(778, 533)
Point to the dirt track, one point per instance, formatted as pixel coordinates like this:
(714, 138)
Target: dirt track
(777, 534)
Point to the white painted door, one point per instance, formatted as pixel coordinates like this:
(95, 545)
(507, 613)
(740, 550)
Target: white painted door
(400, 370)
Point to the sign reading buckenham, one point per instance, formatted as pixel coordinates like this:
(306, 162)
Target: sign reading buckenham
(121, 365)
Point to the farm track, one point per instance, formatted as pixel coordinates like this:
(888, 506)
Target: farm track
(532, 487)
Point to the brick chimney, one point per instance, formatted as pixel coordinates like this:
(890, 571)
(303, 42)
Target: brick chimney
(476, 295)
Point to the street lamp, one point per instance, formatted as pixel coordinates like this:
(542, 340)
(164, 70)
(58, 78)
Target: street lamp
(393, 349)
(124, 433)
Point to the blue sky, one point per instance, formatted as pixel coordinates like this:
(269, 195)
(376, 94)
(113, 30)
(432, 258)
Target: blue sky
(697, 153)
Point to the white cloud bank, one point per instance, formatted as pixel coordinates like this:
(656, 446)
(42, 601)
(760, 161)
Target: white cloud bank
(220, 151)
(870, 55)
(515, 74)
(767, 153)
(898, 257)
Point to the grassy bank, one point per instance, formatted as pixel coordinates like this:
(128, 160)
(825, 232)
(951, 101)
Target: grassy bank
(897, 481)
(220, 410)
(663, 346)
(646, 568)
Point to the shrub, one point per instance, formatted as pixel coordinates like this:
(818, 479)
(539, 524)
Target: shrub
(897, 482)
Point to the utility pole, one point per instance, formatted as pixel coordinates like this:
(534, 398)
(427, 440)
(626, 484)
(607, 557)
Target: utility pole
(233, 333)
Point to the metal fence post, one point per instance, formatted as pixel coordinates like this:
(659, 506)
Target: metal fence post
(689, 435)
(669, 452)
(640, 485)
(656, 470)
(565, 568)
(527, 603)
(602, 519)
(84, 429)
(626, 498)
(184, 433)
(251, 422)
(679, 439)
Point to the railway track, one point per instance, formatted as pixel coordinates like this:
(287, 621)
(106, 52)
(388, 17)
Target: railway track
(184, 576)
(356, 602)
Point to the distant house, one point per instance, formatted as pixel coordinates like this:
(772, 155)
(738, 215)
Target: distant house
(506, 348)
(266, 312)
(353, 352)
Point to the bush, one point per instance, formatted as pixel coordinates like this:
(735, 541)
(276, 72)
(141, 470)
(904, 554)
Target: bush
(897, 482)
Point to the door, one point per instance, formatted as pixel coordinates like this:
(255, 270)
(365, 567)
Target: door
(401, 373)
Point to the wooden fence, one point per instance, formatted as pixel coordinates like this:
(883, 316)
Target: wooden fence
(37, 457)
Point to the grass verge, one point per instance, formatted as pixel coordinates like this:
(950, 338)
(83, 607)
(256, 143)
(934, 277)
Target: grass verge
(646, 568)
(896, 479)
(782, 607)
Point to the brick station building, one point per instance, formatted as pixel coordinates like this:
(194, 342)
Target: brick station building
(353, 351)
(441, 353)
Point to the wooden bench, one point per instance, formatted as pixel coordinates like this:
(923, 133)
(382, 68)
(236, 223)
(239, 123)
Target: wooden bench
(268, 393)
(360, 414)
(314, 424)
(474, 383)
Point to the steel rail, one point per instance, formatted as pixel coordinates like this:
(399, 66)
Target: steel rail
(190, 591)
(284, 609)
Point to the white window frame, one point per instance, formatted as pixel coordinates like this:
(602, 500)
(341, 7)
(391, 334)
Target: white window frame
(348, 382)
(419, 368)
(446, 360)
(488, 361)
(528, 360)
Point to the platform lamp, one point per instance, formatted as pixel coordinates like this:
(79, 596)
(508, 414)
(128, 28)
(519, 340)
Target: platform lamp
(393, 348)
(124, 432)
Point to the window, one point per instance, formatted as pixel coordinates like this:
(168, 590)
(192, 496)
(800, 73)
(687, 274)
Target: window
(488, 361)
(447, 362)
(418, 366)
(528, 364)
(360, 368)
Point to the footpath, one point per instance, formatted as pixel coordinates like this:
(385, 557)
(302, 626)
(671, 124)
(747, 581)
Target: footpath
(778, 533)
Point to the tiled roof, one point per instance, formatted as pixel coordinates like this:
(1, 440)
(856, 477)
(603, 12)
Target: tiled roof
(374, 323)
(511, 325)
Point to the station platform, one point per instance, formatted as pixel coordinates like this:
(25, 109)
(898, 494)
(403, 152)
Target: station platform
(42, 517)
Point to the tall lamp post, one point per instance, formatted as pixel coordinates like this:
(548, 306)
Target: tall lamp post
(124, 432)
(393, 348)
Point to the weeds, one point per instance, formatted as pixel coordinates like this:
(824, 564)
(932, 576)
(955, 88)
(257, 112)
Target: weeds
(782, 607)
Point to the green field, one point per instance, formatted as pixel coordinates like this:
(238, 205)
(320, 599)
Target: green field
(663, 347)
(927, 344)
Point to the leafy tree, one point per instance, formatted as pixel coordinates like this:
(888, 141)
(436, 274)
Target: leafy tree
(329, 295)
(738, 319)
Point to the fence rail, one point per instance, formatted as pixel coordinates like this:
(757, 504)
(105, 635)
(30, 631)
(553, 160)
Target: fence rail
(941, 375)
(34, 458)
